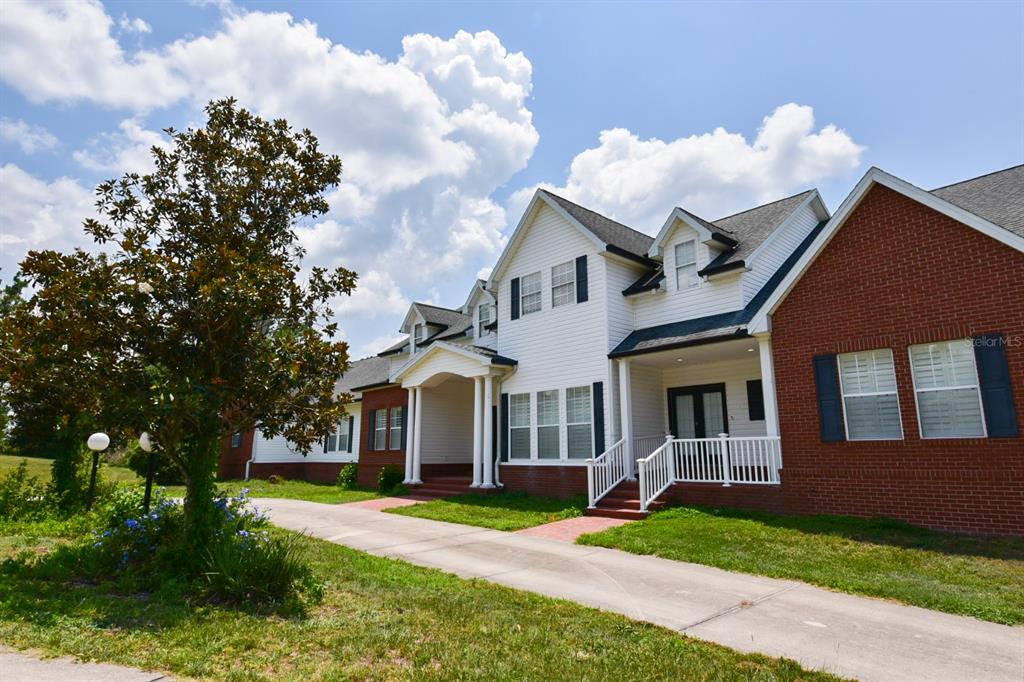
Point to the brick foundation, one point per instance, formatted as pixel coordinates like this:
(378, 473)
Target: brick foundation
(766, 498)
(895, 274)
(546, 480)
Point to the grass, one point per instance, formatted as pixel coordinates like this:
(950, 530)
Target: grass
(39, 467)
(506, 511)
(327, 493)
(379, 619)
(980, 577)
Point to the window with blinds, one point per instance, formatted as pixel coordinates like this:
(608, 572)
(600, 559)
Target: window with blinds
(548, 423)
(483, 319)
(870, 403)
(563, 284)
(380, 429)
(343, 436)
(579, 425)
(519, 425)
(530, 293)
(397, 422)
(686, 264)
(946, 389)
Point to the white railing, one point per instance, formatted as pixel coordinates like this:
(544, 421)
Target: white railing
(643, 446)
(606, 471)
(748, 460)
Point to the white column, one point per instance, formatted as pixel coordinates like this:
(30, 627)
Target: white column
(488, 433)
(626, 414)
(416, 430)
(498, 426)
(409, 421)
(771, 408)
(478, 424)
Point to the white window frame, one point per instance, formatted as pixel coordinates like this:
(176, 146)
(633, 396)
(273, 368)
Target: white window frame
(589, 422)
(482, 321)
(343, 432)
(539, 293)
(392, 427)
(679, 266)
(562, 286)
(557, 425)
(380, 431)
(917, 391)
(844, 395)
(528, 427)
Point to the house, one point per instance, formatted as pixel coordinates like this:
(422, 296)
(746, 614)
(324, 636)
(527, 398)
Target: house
(642, 369)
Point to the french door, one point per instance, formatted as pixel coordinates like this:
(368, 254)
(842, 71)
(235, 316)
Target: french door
(698, 411)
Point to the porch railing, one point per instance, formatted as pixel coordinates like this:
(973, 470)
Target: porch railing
(643, 446)
(748, 460)
(606, 471)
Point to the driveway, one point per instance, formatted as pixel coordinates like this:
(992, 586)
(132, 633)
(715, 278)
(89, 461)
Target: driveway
(857, 637)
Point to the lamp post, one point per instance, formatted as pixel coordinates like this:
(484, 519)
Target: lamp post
(98, 442)
(147, 446)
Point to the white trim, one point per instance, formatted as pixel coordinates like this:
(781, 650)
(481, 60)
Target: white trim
(434, 348)
(520, 231)
(544, 462)
(683, 216)
(917, 403)
(874, 176)
(820, 210)
(895, 392)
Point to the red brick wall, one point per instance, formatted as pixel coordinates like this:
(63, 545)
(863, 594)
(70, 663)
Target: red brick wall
(545, 480)
(896, 274)
(372, 461)
(766, 498)
(232, 460)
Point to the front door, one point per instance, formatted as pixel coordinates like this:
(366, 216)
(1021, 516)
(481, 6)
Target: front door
(697, 411)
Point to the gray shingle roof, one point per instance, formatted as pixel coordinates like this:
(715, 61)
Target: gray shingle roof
(606, 229)
(753, 226)
(997, 197)
(365, 372)
(455, 323)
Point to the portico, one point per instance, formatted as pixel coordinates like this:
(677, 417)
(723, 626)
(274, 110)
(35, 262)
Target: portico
(453, 392)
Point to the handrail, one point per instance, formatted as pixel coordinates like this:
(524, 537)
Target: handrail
(655, 473)
(643, 446)
(606, 471)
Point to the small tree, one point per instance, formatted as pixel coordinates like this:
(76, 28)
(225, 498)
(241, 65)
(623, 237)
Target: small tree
(200, 311)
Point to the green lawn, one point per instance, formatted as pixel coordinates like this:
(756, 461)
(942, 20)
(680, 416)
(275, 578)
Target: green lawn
(505, 511)
(380, 619)
(327, 493)
(981, 577)
(40, 468)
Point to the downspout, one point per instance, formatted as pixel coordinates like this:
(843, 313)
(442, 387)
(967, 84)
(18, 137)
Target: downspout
(252, 455)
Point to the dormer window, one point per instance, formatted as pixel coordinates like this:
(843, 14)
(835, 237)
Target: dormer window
(417, 336)
(563, 284)
(483, 315)
(686, 264)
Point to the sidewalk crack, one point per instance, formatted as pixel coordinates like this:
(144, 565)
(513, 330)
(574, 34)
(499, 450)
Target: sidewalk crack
(739, 607)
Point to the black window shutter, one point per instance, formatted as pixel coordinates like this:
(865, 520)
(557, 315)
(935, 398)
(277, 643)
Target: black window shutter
(405, 423)
(755, 400)
(514, 300)
(581, 281)
(504, 427)
(325, 445)
(996, 390)
(598, 403)
(371, 430)
(830, 409)
(351, 432)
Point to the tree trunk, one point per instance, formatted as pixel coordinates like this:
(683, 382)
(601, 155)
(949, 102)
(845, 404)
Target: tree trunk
(201, 456)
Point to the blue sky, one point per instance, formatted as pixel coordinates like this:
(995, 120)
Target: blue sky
(445, 136)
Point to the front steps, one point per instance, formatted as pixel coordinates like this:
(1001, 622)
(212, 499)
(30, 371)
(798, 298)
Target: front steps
(623, 502)
(436, 487)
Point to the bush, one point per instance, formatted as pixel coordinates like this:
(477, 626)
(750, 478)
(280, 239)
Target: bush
(389, 480)
(347, 476)
(22, 496)
(165, 472)
(256, 566)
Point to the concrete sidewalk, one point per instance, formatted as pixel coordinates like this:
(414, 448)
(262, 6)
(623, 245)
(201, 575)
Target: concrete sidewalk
(16, 666)
(852, 636)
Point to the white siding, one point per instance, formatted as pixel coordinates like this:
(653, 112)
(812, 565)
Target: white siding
(619, 275)
(278, 449)
(734, 374)
(777, 249)
(556, 348)
(447, 431)
(442, 361)
(718, 295)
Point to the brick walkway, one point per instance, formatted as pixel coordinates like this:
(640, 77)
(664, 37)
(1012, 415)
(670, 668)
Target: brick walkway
(568, 530)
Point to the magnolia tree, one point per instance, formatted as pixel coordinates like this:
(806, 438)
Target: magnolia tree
(200, 320)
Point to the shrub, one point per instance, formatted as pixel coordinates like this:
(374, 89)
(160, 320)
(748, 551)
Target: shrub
(274, 479)
(256, 566)
(165, 472)
(389, 480)
(22, 496)
(347, 476)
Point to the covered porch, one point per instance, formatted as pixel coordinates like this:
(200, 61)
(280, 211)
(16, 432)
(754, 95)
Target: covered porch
(453, 420)
(701, 413)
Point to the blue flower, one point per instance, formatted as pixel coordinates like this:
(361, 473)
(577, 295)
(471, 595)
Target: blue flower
(106, 534)
(131, 523)
(98, 544)
(244, 533)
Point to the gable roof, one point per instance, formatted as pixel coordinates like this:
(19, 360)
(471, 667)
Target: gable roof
(453, 323)
(997, 197)
(371, 371)
(999, 194)
(752, 227)
(607, 230)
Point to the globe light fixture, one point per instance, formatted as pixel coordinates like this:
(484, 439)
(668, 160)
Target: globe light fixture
(97, 442)
(147, 446)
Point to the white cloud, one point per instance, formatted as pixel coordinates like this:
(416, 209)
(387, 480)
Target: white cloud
(135, 25)
(712, 174)
(376, 295)
(125, 151)
(36, 214)
(31, 138)
(377, 345)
